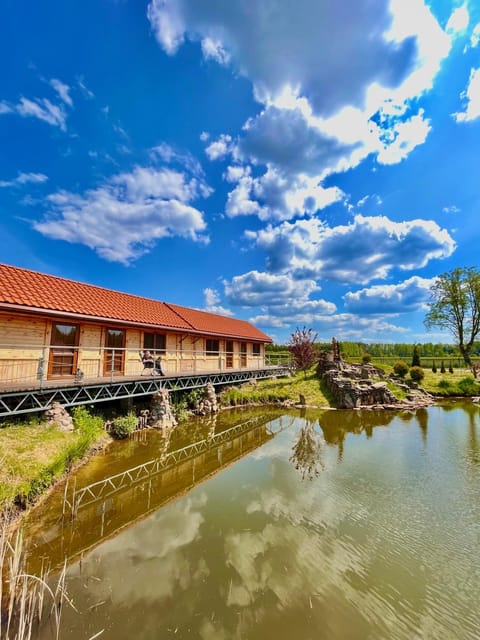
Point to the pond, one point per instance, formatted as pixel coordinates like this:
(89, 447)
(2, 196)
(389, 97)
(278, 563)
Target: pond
(275, 524)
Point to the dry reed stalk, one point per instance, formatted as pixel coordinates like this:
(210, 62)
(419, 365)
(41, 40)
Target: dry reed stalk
(23, 595)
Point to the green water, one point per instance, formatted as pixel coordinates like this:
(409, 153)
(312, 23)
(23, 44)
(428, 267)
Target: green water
(323, 525)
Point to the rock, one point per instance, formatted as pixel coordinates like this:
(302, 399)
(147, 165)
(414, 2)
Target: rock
(208, 404)
(56, 414)
(161, 414)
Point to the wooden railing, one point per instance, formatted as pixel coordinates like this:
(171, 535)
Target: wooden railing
(33, 364)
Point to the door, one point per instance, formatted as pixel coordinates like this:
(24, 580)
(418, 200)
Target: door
(114, 358)
(229, 354)
(63, 357)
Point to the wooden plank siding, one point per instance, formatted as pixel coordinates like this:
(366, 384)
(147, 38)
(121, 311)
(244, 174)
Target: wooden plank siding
(25, 341)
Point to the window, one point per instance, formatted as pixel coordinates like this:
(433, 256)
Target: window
(155, 341)
(243, 354)
(212, 347)
(256, 349)
(63, 351)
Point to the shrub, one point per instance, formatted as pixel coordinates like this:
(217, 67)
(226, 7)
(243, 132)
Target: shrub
(400, 368)
(450, 368)
(123, 426)
(468, 386)
(434, 367)
(415, 357)
(442, 367)
(444, 384)
(417, 374)
(366, 358)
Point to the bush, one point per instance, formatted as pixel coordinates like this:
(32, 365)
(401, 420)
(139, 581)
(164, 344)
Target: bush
(442, 368)
(434, 367)
(444, 384)
(366, 358)
(400, 368)
(450, 368)
(468, 386)
(417, 374)
(416, 357)
(123, 426)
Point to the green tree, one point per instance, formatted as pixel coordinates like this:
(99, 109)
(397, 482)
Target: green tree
(302, 346)
(416, 357)
(455, 306)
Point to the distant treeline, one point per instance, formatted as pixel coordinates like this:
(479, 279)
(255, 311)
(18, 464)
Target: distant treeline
(394, 350)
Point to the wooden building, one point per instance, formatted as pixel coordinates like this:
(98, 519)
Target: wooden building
(54, 329)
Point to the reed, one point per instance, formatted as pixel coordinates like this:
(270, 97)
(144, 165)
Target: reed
(26, 600)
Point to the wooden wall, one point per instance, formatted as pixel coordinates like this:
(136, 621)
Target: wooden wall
(25, 339)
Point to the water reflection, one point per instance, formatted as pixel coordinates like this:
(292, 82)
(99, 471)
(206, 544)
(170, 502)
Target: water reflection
(383, 545)
(307, 450)
(92, 512)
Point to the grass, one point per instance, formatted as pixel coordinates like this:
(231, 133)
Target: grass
(279, 390)
(33, 456)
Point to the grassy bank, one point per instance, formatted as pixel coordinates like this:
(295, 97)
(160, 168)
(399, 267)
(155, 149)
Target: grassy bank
(279, 390)
(459, 383)
(33, 456)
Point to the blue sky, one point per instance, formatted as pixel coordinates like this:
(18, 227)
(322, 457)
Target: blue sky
(288, 162)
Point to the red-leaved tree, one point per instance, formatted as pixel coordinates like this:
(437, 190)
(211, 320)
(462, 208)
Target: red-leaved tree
(302, 347)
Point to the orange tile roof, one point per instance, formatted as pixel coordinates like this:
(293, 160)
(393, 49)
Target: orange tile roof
(41, 292)
(205, 322)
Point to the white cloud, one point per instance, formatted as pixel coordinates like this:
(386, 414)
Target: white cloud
(277, 196)
(292, 44)
(40, 108)
(87, 93)
(123, 218)
(220, 148)
(451, 209)
(63, 91)
(475, 37)
(213, 49)
(472, 97)
(266, 289)
(24, 178)
(348, 325)
(405, 136)
(212, 300)
(458, 21)
(410, 295)
(369, 248)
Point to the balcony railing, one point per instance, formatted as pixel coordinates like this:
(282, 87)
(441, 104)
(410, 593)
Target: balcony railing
(34, 366)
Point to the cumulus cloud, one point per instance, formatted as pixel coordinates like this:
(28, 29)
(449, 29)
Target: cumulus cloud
(367, 249)
(410, 295)
(212, 302)
(277, 196)
(290, 43)
(472, 97)
(24, 178)
(220, 148)
(284, 138)
(257, 288)
(122, 218)
(348, 325)
(326, 106)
